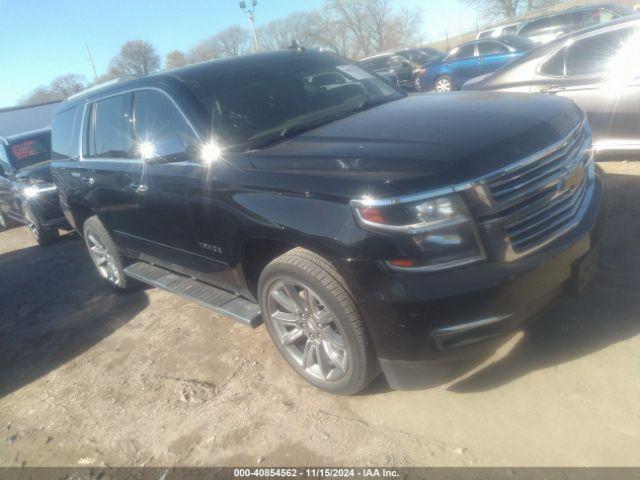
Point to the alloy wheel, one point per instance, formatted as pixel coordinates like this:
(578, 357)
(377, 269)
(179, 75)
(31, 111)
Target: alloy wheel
(102, 258)
(443, 85)
(307, 330)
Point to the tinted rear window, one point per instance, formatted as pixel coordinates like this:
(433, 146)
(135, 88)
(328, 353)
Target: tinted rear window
(30, 151)
(61, 134)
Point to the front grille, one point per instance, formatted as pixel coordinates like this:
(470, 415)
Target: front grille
(538, 199)
(526, 178)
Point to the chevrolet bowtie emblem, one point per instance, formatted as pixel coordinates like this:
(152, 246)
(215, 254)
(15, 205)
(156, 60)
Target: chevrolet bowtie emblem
(573, 179)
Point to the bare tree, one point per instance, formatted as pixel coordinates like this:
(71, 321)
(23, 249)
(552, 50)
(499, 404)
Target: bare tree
(300, 26)
(176, 59)
(373, 25)
(230, 42)
(137, 58)
(505, 9)
(60, 88)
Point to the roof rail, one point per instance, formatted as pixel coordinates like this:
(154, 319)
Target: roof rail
(98, 86)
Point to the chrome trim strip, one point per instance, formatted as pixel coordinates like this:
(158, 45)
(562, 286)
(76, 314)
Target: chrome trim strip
(463, 327)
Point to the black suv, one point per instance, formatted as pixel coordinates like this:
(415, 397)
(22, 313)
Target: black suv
(27, 195)
(361, 230)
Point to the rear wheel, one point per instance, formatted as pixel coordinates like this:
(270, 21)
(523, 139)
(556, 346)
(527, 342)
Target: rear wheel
(43, 235)
(105, 254)
(443, 84)
(315, 324)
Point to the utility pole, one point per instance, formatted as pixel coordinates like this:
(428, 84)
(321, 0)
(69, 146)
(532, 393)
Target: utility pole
(251, 13)
(95, 74)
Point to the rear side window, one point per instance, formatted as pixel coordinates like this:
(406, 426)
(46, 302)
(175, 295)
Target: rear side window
(62, 134)
(554, 66)
(158, 122)
(110, 128)
(491, 48)
(465, 51)
(593, 55)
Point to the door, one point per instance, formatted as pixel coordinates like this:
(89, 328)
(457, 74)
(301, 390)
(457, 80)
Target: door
(493, 55)
(462, 64)
(110, 172)
(176, 218)
(601, 73)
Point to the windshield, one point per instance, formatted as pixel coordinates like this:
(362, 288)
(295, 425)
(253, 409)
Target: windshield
(30, 151)
(262, 103)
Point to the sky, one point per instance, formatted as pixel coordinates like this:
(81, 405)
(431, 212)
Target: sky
(42, 39)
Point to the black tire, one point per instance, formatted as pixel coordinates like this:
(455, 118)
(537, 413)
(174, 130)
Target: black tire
(44, 236)
(93, 230)
(325, 283)
(443, 78)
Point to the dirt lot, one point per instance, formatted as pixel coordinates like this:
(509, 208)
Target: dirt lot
(92, 377)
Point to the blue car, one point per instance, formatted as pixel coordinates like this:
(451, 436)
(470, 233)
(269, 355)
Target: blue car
(479, 57)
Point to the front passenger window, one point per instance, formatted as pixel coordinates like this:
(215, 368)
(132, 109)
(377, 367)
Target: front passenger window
(158, 122)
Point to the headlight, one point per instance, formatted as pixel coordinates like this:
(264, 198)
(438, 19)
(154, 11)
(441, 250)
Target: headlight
(440, 228)
(35, 190)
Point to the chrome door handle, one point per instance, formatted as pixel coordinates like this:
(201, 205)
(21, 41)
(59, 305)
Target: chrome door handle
(141, 188)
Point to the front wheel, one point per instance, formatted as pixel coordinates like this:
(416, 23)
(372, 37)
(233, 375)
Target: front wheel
(443, 84)
(315, 323)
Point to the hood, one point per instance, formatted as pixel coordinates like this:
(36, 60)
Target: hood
(428, 140)
(37, 173)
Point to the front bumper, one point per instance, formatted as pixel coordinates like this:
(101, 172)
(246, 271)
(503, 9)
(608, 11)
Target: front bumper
(425, 327)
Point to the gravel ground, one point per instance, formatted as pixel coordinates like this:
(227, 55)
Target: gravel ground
(92, 377)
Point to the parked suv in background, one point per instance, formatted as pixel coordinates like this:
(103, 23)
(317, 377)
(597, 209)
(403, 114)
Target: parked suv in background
(365, 226)
(479, 57)
(548, 28)
(27, 195)
(598, 68)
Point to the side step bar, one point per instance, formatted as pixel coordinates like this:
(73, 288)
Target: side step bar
(221, 301)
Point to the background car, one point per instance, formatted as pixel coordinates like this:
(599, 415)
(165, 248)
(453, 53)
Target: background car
(599, 68)
(470, 60)
(401, 65)
(27, 195)
(548, 28)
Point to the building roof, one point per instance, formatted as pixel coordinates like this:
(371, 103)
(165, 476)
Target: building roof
(15, 120)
